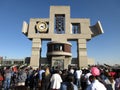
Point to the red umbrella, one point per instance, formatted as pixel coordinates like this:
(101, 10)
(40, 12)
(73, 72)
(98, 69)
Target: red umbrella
(95, 71)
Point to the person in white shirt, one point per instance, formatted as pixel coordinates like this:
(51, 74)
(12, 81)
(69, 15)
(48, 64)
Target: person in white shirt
(87, 75)
(71, 70)
(95, 84)
(56, 81)
(110, 83)
(78, 74)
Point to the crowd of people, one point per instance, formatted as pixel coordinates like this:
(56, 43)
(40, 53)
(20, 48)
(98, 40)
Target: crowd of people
(46, 78)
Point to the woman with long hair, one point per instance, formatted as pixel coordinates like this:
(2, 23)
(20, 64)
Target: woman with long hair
(45, 83)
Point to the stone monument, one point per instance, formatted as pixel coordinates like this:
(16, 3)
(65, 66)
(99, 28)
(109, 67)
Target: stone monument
(59, 28)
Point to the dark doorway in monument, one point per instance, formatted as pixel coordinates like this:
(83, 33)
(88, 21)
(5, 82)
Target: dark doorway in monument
(58, 64)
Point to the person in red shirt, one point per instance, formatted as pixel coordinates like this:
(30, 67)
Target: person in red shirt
(1, 80)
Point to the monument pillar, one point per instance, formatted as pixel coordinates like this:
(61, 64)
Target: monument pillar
(36, 52)
(82, 53)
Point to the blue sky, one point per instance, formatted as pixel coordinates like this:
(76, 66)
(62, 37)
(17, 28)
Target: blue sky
(104, 48)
